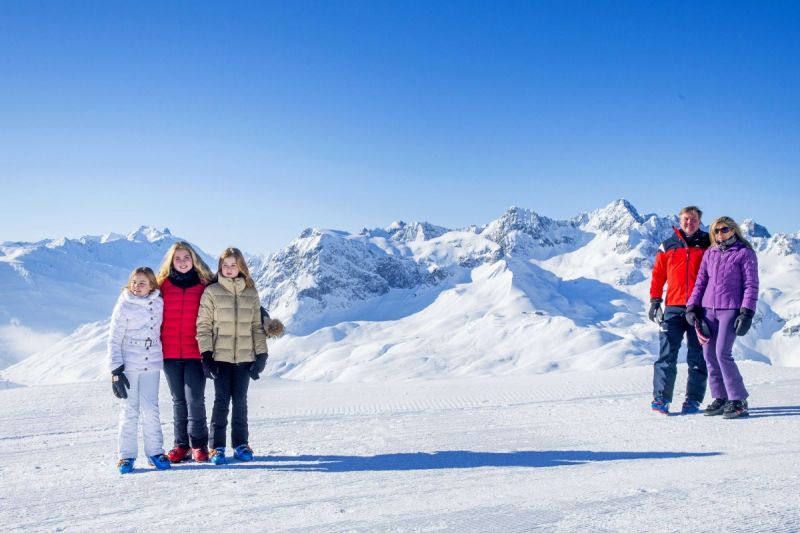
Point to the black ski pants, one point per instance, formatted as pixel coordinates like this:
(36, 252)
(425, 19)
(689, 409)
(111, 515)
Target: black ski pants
(187, 383)
(670, 336)
(230, 387)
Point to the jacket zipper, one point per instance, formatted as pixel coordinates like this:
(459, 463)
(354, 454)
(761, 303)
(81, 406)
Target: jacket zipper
(716, 277)
(180, 323)
(235, 324)
(687, 276)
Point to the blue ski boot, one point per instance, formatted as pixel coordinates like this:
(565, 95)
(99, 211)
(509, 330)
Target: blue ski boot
(125, 466)
(218, 456)
(660, 405)
(160, 461)
(690, 407)
(243, 452)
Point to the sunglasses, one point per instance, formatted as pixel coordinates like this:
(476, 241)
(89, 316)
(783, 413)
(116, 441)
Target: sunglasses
(723, 229)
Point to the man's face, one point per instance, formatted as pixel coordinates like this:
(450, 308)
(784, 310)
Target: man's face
(690, 222)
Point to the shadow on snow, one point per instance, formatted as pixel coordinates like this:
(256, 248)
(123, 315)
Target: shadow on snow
(445, 460)
(782, 410)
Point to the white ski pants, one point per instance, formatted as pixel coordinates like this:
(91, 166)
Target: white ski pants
(142, 398)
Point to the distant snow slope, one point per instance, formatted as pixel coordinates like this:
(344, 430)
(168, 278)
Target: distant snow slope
(521, 294)
(50, 287)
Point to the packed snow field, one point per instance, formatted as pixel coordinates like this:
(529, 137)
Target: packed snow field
(559, 451)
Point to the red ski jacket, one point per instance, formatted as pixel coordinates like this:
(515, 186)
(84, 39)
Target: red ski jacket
(179, 328)
(677, 263)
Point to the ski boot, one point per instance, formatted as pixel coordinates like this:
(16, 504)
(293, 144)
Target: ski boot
(160, 461)
(690, 407)
(735, 409)
(125, 466)
(660, 405)
(200, 454)
(716, 407)
(218, 456)
(243, 452)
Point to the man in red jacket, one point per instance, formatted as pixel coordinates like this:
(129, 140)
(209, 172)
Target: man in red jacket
(677, 263)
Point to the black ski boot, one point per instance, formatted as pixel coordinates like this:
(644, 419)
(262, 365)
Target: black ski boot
(735, 409)
(715, 408)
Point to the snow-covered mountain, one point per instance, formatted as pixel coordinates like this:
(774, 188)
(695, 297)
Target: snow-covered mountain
(522, 294)
(49, 288)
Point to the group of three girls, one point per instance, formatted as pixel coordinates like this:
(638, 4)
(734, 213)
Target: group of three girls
(194, 326)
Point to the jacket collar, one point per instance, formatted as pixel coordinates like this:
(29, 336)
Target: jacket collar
(232, 285)
(729, 243)
(141, 300)
(698, 239)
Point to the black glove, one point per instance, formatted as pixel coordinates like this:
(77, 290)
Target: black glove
(119, 383)
(693, 314)
(655, 314)
(743, 321)
(210, 368)
(257, 366)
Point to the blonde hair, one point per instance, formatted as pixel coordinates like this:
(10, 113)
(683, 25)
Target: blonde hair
(148, 273)
(726, 221)
(244, 272)
(197, 263)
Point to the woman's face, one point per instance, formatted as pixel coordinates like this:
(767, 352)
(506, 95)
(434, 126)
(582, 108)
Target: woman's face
(182, 261)
(722, 232)
(229, 268)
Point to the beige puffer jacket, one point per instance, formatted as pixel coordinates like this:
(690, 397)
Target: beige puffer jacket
(229, 322)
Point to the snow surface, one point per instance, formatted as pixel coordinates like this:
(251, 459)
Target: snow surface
(560, 451)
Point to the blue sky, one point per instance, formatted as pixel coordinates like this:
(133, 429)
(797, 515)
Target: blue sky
(245, 122)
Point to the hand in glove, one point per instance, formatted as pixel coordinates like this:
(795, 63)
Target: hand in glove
(693, 314)
(210, 368)
(119, 382)
(743, 321)
(257, 366)
(655, 314)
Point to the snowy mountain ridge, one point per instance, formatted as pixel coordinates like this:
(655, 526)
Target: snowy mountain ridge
(521, 294)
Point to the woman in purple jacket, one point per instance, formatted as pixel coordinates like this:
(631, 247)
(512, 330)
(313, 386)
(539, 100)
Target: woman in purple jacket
(727, 290)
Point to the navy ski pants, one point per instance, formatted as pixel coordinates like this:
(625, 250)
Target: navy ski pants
(230, 388)
(187, 383)
(665, 369)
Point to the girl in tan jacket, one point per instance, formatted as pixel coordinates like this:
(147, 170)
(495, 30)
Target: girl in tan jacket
(234, 350)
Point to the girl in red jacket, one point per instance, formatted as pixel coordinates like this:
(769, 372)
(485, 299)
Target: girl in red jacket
(182, 279)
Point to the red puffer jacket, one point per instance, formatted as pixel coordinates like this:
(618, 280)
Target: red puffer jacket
(179, 328)
(677, 262)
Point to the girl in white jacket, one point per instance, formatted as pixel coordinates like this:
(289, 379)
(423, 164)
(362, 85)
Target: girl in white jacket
(134, 350)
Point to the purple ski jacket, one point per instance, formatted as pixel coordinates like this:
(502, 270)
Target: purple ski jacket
(727, 279)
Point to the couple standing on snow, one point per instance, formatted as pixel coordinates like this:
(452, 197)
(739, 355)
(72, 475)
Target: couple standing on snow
(195, 326)
(712, 290)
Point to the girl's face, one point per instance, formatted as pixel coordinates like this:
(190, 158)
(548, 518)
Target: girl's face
(182, 261)
(140, 285)
(229, 268)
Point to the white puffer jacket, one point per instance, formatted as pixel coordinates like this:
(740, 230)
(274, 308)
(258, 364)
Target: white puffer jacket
(134, 338)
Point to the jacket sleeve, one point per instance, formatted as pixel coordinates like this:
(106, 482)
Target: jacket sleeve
(116, 332)
(700, 283)
(750, 277)
(259, 335)
(659, 275)
(205, 323)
